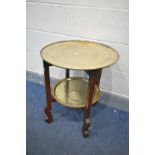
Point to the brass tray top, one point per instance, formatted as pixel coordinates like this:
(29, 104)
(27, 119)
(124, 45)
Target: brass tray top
(80, 55)
(72, 92)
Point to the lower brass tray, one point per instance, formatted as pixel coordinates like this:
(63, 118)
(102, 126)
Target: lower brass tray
(72, 92)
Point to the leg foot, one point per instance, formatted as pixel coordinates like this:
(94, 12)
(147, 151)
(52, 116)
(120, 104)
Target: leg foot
(49, 115)
(85, 134)
(85, 128)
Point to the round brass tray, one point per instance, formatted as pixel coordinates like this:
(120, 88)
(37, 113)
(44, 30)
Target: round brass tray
(80, 55)
(72, 92)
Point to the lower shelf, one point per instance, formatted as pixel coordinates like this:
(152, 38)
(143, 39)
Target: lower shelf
(72, 92)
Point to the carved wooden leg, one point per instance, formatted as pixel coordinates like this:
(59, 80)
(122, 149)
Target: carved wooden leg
(48, 107)
(87, 109)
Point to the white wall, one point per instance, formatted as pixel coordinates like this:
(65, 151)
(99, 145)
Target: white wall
(104, 21)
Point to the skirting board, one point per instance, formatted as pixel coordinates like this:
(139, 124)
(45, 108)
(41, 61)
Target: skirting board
(107, 98)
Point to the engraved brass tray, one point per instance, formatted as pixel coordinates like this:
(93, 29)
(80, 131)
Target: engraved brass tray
(79, 55)
(72, 92)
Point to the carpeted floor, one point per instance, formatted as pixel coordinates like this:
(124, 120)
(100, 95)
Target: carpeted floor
(109, 129)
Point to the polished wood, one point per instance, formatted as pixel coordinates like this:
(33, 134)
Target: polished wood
(93, 77)
(49, 98)
(67, 73)
(97, 73)
(98, 76)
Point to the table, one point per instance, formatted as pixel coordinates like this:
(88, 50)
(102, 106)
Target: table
(76, 92)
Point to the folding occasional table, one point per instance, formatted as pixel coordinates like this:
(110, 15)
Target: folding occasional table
(76, 92)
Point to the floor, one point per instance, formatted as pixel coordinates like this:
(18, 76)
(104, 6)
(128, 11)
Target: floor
(109, 129)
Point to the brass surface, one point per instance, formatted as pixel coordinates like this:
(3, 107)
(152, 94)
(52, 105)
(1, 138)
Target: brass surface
(80, 55)
(72, 92)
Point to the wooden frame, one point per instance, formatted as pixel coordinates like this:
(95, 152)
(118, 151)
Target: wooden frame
(94, 78)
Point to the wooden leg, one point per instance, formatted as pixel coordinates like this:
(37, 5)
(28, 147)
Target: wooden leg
(48, 107)
(94, 78)
(67, 73)
(67, 84)
(98, 76)
(87, 109)
(97, 79)
(97, 73)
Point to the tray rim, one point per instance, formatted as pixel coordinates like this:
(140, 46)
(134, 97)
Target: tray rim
(76, 40)
(70, 78)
